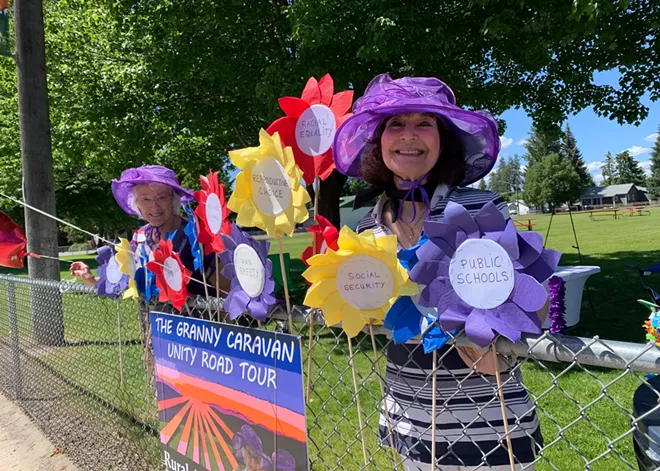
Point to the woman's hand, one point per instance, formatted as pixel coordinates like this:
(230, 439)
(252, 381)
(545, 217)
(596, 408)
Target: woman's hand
(486, 365)
(82, 271)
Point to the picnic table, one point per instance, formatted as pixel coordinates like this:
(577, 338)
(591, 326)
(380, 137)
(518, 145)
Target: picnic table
(639, 209)
(529, 224)
(607, 212)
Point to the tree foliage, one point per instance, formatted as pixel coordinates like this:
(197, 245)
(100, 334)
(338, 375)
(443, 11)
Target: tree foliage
(570, 151)
(551, 180)
(628, 169)
(181, 83)
(609, 170)
(506, 179)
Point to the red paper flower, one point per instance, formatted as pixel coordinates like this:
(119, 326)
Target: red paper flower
(212, 213)
(171, 276)
(325, 236)
(310, 124)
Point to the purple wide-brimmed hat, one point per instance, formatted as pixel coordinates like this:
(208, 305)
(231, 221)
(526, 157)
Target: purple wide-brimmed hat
(384, 97)
(247, 437)
(283, 461)
(123, 188)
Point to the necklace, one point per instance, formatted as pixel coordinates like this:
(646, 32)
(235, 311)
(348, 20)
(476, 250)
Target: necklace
(411, 229)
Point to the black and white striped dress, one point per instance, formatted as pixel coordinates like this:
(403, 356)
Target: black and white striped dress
(469, 419)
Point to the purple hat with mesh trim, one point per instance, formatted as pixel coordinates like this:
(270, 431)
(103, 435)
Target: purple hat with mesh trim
(122, 189)
(384, 97)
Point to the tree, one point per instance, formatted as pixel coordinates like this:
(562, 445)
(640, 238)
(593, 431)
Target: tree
(539, 144)
(628, 169)
(609, 171)
(654, 179)
(352, 186)
(570, 151)
(482, 184)
(506, 179)
(552, 181)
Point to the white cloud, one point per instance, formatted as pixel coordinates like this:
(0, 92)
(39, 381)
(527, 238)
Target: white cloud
(638, 150)
(522, 142)
(646, 166)
(506, 141)
(598, 178)
(651, 137)
(594, 166)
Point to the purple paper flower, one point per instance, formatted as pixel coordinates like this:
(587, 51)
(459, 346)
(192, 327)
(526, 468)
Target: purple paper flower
(531, 266)
(557, 310)
(111, 283)
(253, 298)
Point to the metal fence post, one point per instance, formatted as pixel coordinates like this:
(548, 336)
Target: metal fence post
(15, 348)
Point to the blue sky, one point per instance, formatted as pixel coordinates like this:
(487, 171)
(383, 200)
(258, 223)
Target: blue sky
(595, 135)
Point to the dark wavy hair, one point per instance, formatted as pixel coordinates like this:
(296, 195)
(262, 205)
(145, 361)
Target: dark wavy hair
(449, 169)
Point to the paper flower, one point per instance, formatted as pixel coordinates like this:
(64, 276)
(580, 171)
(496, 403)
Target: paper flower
(557, 310)
(212, 213)
(124, 257)
(268, 193)
(250, 272)
(171, 275)
(405, 318)
(324, 236)
(111, 282)
(505, 273)
(310, 125)
(191, 230)
(357, 283)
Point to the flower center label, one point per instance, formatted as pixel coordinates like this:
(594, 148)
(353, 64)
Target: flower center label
(112, 272)
(481, 273)
(173, 275)
(214, 213)
(315, 130)
(365, 282)
(250, 270)
(271, 190)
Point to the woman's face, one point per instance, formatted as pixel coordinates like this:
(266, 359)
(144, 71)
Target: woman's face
(252, 460)
(410, 144)
(154, 200)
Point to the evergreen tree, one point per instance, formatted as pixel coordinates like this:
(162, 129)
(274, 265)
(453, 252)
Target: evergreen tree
(654, 179)
(482, 184)
(539, 145)
(609, 171)
(570, 151)
(628, 169)
(552, 181)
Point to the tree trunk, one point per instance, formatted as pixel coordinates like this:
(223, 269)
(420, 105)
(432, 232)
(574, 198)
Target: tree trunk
(329, 197)
(37, 161)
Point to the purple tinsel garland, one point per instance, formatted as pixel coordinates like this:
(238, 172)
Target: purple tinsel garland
(557, 306)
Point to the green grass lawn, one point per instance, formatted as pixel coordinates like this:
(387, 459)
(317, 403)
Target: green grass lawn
(572, 416)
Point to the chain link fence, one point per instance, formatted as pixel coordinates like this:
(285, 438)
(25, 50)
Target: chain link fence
(76, 364)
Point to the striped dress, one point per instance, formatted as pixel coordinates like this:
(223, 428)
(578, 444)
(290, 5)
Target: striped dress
(469, 421)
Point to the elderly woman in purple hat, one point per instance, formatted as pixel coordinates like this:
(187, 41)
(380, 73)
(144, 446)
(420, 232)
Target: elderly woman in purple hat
(409, 134)
(249, 452)
(153, 193)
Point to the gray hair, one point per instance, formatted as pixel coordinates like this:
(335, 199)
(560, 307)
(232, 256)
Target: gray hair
(176, 202)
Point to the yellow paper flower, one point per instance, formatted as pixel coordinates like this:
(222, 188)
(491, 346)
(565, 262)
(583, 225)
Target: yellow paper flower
(359, 282)
(268, 193)
(124, 258)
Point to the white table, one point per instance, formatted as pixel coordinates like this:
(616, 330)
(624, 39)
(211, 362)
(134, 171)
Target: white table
(574, 277)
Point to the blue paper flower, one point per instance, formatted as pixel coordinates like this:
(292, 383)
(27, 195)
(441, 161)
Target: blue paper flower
(405, 319)
(144, 279)
(192, 232)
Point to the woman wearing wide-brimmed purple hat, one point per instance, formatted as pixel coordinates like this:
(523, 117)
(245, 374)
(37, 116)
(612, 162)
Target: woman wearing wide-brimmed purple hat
(419, 151)
(284, 461)
(153, 193)
(249, 452)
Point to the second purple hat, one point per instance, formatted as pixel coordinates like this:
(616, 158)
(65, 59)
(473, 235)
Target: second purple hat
(384, 97)
(122, 189)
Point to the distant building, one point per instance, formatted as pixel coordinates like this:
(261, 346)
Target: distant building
(623, 194)
(518, 207)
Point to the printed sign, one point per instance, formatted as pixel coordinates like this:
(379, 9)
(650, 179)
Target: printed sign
(481, 273)
(213, 213)
(365, 282)
(271, 190)
(229, 397)
(250, 271)
(4, 30)
(315, 130)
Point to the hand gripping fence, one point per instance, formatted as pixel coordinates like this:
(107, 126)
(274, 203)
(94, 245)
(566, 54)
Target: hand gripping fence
(81, 367)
